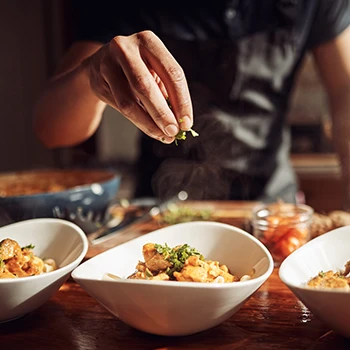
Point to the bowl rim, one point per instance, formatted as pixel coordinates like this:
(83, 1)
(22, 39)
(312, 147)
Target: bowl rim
(259, 221)
(176, 284)
(114, 176)
(58, 272)
(297, 252)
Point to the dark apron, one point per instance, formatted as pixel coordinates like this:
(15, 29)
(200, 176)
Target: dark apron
(240, 90)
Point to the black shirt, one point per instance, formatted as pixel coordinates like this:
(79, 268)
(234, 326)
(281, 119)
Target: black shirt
(240, 59)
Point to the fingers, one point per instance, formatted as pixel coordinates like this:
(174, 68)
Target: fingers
(126, 103)
(171, 75)
(159, 83)
(144, 86)
(139, 74)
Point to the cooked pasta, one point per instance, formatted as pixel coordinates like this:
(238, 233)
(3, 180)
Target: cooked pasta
(16, 261)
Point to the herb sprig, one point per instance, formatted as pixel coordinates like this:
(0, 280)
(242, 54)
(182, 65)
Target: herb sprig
(177, 256)
(181, 135)
(177, 214)
(29, 247)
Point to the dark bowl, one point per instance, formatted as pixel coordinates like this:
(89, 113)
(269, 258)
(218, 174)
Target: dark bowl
(57, 193)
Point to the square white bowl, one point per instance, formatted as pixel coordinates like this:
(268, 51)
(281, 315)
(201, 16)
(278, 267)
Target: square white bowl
(58, 239)
(174, 308)
(327, 252)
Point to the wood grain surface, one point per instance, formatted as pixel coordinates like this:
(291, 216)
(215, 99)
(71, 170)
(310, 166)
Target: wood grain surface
(272, 319)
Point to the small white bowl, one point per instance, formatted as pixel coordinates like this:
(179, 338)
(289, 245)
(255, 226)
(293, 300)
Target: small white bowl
(327, 252)
(61, 240)
(174, 308)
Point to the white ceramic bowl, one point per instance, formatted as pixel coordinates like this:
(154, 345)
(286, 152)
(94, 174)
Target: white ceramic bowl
(174, 308)
(327, 252)
(61, 240)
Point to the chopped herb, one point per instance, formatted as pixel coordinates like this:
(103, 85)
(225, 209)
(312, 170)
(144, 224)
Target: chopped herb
(177, 256)
(148, 273)
(2, 264)
(176, 214)
(181, 134)
(164, 250)
(194, 133)
(321, 274)
(29, 246)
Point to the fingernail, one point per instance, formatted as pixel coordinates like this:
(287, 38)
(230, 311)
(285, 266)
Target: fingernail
(185, 123)
(171, 130)
(167, 140)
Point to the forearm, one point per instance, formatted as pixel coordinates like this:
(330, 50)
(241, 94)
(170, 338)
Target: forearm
(68, 112)
(340, 109)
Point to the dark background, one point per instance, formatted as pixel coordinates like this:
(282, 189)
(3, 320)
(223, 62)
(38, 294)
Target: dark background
(35, 34)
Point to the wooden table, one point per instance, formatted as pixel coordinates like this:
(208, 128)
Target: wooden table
(272, 319)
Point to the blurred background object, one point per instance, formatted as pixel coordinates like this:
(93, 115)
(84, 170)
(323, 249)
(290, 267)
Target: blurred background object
(35, 35)
(282, 227)
(58, 193)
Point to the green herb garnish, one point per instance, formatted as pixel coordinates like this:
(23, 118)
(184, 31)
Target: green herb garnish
(29, 246)
(2, 264)
(176, 214)
(148, 273)
(181, 134)
(321, 274)
(177, 256)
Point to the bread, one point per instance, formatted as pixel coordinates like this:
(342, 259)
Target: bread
(322, 223)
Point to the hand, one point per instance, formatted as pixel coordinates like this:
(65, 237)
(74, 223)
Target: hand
(135, 74)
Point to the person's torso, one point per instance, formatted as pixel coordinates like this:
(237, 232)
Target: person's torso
(240, 58)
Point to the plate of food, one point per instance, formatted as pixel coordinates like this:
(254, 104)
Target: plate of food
(57, 193)
(36, 257)
(318, 274)
(180, 279)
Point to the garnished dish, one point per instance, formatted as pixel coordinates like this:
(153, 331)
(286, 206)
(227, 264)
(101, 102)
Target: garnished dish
(17, 261)
(181, 263)
(332, 279)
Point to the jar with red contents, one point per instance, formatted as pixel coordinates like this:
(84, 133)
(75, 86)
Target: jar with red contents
(282, 227)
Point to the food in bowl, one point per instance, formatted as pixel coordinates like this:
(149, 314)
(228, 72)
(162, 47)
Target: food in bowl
(327, 252)
(24, 183)
(181, 263)
(60, 240)
(282, 227)
(173, 308)
(58, 193)
(331, 279)
(17, 261)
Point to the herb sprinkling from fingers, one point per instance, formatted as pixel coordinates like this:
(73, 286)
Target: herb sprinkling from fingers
(181, 134)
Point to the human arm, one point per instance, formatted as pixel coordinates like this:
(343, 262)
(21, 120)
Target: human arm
(131, 73)
(333, 61)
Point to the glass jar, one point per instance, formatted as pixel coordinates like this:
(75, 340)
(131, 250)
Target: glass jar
(282, 227)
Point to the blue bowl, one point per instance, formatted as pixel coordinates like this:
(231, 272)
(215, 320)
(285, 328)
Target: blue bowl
(57, 193)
